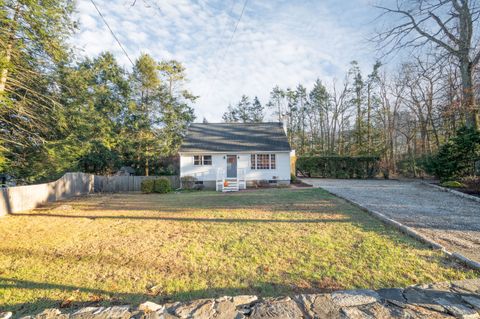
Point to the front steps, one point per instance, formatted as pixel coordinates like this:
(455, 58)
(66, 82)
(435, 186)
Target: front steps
(232, 185)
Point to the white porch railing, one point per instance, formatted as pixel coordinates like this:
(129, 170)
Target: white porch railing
(224, 183)
(242, 178)
(220, 180)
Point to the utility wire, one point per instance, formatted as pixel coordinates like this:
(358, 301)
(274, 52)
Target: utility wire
(111, 31)
(235, 30)
(228, 47)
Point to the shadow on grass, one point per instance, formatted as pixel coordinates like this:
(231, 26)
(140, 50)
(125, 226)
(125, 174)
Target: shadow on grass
(191, 219)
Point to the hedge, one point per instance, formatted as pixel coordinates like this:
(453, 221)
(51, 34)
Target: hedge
(338, 166)
(146, 186)
(162, 186)
(157, 185)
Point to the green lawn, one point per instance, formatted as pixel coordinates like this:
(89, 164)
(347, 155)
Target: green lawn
(128, 248)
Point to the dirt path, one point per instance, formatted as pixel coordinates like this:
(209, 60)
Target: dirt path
(448, 219)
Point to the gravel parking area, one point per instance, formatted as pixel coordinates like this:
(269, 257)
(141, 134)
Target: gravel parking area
(446, 218)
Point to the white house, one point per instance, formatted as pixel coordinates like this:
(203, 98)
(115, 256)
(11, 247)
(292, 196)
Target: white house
(230, 156)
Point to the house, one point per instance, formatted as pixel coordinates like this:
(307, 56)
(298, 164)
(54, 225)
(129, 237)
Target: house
(232, 156)
(125, 171)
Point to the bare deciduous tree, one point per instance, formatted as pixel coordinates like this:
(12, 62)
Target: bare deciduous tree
(446, 24)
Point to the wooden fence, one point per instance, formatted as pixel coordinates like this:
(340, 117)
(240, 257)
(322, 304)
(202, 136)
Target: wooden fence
(117, 184)
(20, 198)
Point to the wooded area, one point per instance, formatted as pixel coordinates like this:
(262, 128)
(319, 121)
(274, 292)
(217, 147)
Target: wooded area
(59, 113)
(404, 113)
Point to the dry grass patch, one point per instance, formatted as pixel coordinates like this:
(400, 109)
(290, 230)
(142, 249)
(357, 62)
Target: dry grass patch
(129, 248)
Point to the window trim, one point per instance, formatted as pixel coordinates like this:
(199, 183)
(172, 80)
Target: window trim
(201, 160)
(272, 161)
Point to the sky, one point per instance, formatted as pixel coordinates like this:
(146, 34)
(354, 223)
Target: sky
(277, 42)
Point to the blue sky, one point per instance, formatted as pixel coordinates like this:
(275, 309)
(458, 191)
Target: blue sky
(277, 42)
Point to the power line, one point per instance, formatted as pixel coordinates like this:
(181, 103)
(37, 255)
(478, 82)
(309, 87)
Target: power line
(228, 47)
(235, 30)
(111, 31)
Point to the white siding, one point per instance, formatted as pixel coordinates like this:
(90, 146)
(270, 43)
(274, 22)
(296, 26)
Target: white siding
(208, 172)
(201, 172)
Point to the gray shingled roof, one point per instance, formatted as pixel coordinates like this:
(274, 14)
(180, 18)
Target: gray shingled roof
(235, 137)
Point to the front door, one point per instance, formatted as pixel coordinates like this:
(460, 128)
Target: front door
(231, 166)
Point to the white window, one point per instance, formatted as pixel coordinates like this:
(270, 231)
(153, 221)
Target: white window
(263, 161)
(197, 160)
(202, 160)
(207, 159)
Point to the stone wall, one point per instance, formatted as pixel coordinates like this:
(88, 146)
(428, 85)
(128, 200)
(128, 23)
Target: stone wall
(460, 299)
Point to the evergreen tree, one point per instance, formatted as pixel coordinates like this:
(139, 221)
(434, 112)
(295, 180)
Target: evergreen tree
(257, 111)
(245, 111)
(33, 45)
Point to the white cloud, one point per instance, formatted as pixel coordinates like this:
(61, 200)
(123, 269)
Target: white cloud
(277, 42)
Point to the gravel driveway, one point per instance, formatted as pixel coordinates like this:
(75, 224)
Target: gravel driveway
(448, 219)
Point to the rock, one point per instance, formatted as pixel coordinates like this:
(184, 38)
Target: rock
(225, 308)
(354, 298)
(115, 312)
(318, 306)
(412, 311)
(354, 313)
(472, 285)
(6, 315)
(472, 301)
(204, 311)
(149, 306)
(458, 310)
(50, 313)
(244, 300)
(282, 308)
(87, 312)
(378, 310)
(392, 294)
(147, 315)
(424, 298)
(197, 307)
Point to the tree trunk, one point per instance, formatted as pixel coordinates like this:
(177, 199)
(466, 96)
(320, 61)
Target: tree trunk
(146, 167)
(470, 107)
(369, 132)
(8, 51)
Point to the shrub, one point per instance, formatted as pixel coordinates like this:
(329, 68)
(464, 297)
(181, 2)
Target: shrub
(293, 178)
(188, 182)
(147, 186)
(415, 166)
(452, 184)
(339, 166)
(198, 187)
(457, 158)
(162, 186)
(472, 183)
